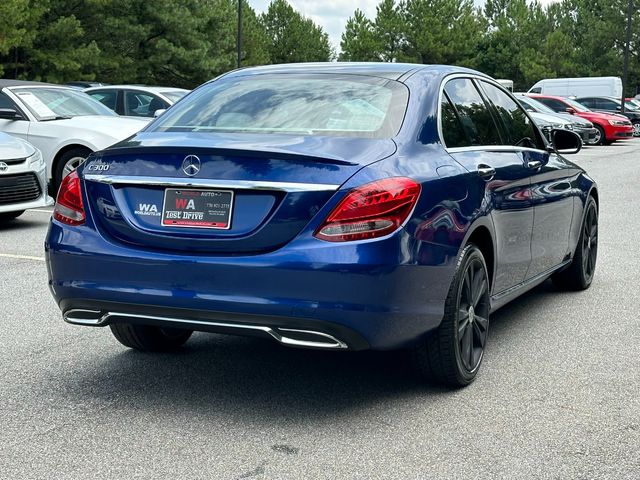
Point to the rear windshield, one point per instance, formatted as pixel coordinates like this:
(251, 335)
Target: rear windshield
(324, 104)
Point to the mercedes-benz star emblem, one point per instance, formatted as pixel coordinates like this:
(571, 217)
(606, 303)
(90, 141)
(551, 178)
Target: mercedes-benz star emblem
(3, 167)
(191, 165)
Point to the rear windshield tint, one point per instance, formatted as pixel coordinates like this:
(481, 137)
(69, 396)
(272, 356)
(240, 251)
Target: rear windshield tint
(338, 105)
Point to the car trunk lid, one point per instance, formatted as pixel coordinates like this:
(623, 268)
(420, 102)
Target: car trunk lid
(230, 194)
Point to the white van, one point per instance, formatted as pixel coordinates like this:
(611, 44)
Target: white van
(580, 87)
(508, 84)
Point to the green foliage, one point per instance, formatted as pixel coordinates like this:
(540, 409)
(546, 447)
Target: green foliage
(359, 41)
(515, 39)
(441, 31)
(188, 42)
(294, 38)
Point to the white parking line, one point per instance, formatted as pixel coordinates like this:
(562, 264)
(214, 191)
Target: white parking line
(21, 257)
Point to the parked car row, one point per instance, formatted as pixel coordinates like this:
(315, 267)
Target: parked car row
(595, 127)
(67, 125)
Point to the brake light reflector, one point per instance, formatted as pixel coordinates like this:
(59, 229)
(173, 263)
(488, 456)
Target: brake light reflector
(371, 210)
(69, 208)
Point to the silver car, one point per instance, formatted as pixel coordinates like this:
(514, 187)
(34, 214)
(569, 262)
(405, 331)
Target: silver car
(23, 178)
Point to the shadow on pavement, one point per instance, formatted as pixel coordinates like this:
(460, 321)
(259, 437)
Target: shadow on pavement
(257, 380)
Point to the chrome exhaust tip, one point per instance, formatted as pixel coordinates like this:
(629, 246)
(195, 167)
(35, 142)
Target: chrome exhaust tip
(81, 316)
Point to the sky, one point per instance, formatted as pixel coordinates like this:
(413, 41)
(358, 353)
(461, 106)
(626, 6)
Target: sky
(332, 15)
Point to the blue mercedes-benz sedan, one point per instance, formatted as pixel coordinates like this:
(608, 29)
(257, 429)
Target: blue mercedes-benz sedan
(332, 206)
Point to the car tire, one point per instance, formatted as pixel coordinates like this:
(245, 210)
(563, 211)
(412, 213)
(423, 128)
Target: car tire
(68, 162)
(579, 274)
(636, 129)
(453, 353)
(148, 338)
(8, 216)
(600, 136)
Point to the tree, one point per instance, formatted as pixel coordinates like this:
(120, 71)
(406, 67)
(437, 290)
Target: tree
(359, 41)
(294, 38)
(388, 30)
(441, 31)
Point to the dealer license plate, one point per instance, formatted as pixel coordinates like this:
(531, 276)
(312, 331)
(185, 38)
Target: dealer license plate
(186, 207)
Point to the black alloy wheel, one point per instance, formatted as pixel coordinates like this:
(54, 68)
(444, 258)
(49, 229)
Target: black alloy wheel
(579, 274)
(473, 315)
(590, 242)
(452, 354)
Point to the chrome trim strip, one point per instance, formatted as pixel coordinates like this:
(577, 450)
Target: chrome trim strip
(276, 334)
(204, 183)
(494, 148)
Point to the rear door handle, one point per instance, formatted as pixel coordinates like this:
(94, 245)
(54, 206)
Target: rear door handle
(485, 171)
(534, 164)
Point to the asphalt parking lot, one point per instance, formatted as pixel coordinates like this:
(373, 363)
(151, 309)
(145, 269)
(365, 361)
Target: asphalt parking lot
(558, 396)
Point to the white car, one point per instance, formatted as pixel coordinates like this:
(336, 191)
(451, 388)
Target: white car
(65, 124)
(23, 180)
(136, 100)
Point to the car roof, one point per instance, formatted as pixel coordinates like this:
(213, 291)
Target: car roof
(138, 87)
(600, 96)
(5, 82)
(392, 71)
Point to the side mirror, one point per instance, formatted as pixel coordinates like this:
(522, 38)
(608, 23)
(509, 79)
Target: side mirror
(159, 112)
(619, 108)
(565, 141)
(570, 110)
(10, 114)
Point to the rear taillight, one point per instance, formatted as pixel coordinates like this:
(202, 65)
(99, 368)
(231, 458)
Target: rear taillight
(370, 211)
(69, 208)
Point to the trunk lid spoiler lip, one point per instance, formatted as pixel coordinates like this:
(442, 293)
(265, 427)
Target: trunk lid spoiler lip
(206, 183)
(347, 151)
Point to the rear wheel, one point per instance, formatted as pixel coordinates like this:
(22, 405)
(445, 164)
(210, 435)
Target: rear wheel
(149, 339)
(5, 217)
(453, 353)
(67, 163)
(579, 274)
(636, 129)
(600, 137)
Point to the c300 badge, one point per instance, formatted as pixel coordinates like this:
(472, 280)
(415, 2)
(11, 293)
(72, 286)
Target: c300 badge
(98, 167)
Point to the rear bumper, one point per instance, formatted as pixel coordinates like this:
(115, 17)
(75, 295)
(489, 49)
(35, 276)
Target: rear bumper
(365, 294)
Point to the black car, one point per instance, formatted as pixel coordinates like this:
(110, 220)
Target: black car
(614, 105)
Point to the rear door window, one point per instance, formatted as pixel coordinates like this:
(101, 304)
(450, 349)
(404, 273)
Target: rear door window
(452, 131)
(137, 104)
(106, 97)
(519, 129)
(472, 112)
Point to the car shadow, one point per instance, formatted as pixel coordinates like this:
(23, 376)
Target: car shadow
(20, 222)
(258, 380)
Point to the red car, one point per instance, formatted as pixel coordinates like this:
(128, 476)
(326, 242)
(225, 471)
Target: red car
(611, 127)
